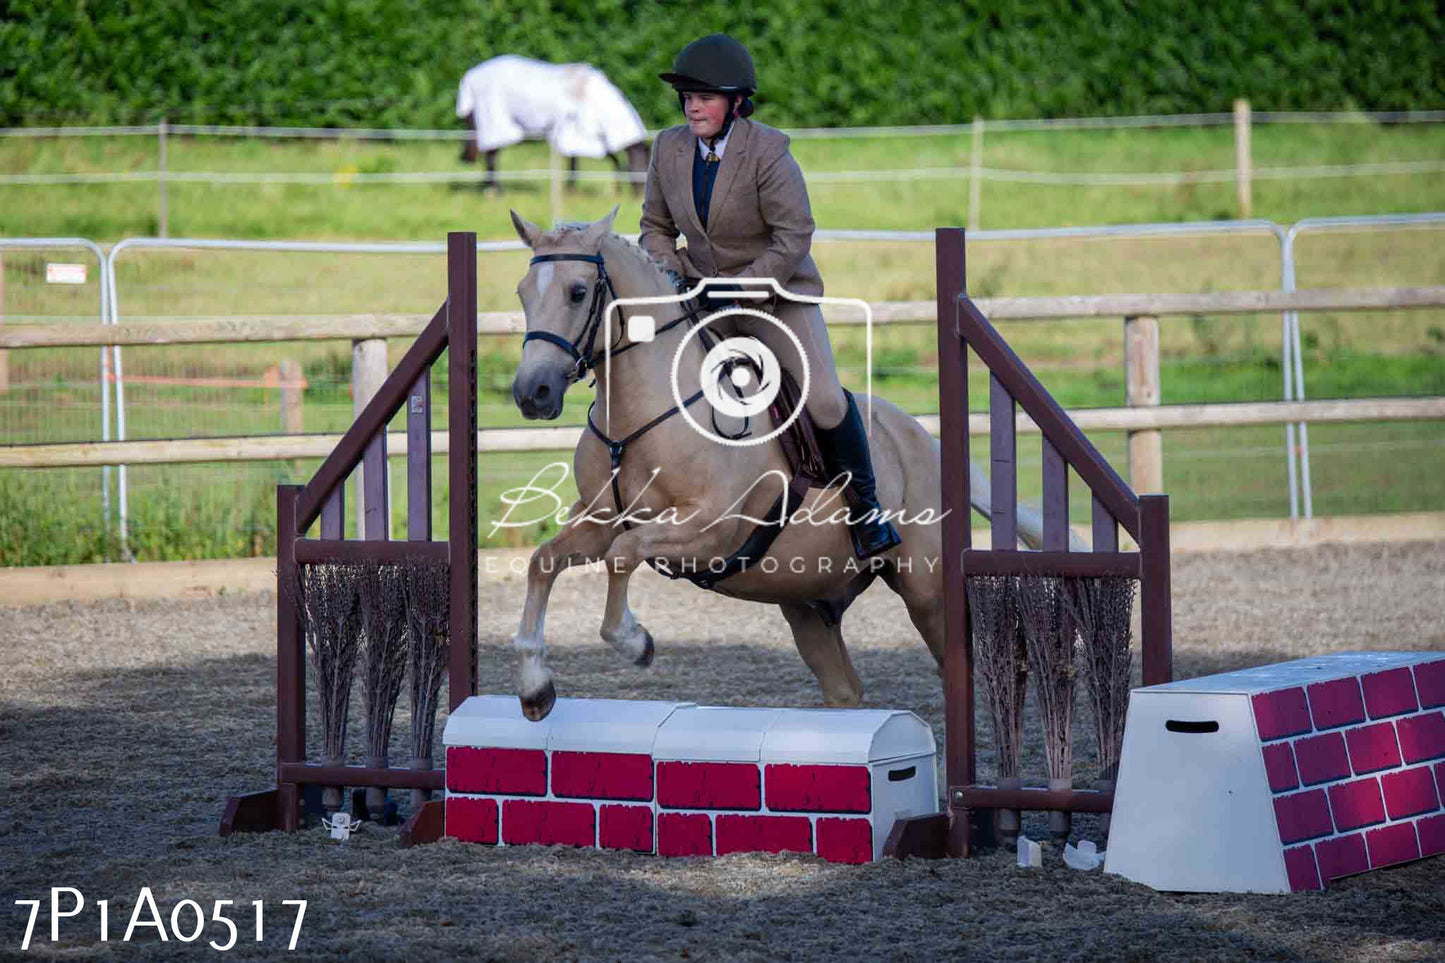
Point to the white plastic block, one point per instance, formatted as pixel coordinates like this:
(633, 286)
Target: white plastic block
(1031, 854)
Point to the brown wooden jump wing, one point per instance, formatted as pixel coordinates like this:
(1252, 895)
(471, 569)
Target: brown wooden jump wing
(454, 329)
(962, 326)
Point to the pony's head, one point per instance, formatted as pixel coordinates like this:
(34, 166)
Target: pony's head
(564, 295)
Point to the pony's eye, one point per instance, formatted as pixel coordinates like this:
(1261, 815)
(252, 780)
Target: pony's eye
(579, 291)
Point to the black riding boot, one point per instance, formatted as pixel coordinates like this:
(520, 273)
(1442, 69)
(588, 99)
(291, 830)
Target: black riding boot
(845, 449)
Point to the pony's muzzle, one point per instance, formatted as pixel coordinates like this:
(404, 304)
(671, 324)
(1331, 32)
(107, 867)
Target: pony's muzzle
(538, 394)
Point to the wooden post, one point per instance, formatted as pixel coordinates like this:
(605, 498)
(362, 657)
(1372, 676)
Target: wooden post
(462, 464)
(1156, 605)
(290, 660)
(290, 375)
(162, 227)
(1242, 161)
(5, 355)
(1141, 389)
(975, 176)
(368, 372)
(959, 771)
(556, 166)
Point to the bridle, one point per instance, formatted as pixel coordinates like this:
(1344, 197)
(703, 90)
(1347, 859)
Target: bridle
(585, 359)
(584, 349)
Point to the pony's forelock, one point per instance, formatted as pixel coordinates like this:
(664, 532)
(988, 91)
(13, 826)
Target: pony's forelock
(564, 230)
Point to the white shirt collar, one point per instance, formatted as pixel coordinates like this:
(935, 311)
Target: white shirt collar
(718, 149)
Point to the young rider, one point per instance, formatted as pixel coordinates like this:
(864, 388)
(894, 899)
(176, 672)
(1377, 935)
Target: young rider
(732, 189)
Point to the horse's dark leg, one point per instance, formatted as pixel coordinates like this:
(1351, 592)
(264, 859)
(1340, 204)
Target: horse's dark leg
(637, 156)
(469, 146)
(490, 184)
(616, 160)
(571, 173)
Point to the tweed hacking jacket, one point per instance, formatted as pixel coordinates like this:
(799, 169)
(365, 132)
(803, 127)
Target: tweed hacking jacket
(759, 221)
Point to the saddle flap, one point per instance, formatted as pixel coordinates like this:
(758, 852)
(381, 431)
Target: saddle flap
(800, 440)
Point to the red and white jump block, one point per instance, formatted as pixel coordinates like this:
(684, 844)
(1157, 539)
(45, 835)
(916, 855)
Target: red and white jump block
(678, 779)
(1283, 777)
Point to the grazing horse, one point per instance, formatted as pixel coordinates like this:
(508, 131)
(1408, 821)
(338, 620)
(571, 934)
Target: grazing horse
(656, 491)
(574, 106)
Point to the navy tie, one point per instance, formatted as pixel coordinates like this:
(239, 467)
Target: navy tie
(704, 175)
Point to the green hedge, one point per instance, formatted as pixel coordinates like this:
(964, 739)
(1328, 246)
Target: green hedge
(395, 63)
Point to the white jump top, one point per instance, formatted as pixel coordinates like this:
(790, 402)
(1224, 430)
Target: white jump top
(1283, 675)
(578, 725)
(838, 736)
(684, 731)
(708, 733)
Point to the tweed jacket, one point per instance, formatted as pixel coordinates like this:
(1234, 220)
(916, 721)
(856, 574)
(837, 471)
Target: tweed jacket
(759, 221)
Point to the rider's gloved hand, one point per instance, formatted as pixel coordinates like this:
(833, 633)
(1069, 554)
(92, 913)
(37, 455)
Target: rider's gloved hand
(718, 296)
(680, 284)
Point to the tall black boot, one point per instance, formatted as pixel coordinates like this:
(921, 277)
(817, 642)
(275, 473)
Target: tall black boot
(845, 449)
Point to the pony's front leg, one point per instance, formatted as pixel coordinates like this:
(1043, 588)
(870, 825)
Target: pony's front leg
(576, 544)
(620, 627)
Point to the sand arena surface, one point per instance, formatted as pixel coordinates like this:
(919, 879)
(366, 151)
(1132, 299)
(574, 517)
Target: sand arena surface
(126, 724)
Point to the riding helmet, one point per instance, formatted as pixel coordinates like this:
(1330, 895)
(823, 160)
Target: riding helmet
(716, 64)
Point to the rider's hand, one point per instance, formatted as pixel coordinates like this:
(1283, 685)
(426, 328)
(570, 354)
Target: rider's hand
(680, 284)
(717, 296)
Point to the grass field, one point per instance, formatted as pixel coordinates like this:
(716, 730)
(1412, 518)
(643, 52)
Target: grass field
(347, 209)
(223, 510)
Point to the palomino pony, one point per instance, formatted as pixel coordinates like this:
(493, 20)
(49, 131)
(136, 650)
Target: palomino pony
(688, 501)
(575, 106)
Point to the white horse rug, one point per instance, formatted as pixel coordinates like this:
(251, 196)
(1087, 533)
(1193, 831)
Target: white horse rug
(574, 106)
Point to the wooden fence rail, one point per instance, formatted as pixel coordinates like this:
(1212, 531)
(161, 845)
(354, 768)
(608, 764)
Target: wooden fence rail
(277, 447)
(1144, 419)
(236, 330)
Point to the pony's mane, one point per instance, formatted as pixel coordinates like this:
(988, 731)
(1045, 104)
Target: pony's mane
(641, 258)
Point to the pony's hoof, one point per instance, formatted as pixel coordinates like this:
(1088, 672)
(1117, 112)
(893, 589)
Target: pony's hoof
(538, 706)
(645, 659)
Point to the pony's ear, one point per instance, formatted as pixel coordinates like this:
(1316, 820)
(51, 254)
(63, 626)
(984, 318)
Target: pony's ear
(526, 230)
(607, 221)
(599, 230)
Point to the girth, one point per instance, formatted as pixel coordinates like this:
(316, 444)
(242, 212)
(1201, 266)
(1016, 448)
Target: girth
(756, 545)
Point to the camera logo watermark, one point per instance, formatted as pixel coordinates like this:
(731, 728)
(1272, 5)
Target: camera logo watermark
(768, 384)
(744, 356)
(740, 377)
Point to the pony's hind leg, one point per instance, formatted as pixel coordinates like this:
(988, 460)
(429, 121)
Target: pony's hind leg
(821, 646)
(574, 545)
(921, 594)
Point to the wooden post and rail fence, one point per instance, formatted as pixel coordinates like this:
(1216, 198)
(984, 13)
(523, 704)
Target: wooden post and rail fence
(1143, 417)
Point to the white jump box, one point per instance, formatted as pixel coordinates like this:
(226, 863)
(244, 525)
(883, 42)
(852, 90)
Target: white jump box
(1283, 777)
(678, 779)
